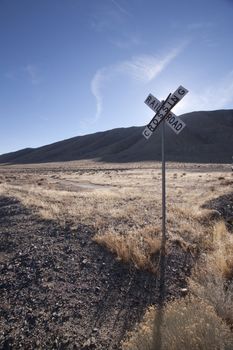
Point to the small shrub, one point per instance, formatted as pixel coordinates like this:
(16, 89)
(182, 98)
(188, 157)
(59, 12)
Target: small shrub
(212, 280)
(215, 291)
(188, 324)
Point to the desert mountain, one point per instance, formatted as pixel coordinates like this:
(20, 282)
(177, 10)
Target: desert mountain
(207, 138)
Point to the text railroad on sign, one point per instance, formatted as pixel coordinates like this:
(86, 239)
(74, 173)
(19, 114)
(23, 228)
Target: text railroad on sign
(163, 110)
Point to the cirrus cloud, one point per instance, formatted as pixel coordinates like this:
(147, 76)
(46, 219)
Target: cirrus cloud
(142, 68)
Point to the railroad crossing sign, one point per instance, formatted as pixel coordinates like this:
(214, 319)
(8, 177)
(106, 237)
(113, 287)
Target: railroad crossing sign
(163, 111)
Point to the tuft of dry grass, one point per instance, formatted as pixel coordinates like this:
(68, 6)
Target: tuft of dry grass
(189, 323)
(190, 227)
(222, 256)
(141, 248)
(214, 290)
(212, 280)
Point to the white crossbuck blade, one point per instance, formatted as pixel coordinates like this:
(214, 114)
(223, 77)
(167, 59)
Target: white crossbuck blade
(176, 124)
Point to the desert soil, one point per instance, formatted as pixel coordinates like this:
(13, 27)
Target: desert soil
(60, 290)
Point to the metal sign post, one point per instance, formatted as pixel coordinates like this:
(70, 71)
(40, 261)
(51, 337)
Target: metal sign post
(163, 113)
(163, 183)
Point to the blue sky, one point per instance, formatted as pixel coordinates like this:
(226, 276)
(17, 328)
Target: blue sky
(73, 67)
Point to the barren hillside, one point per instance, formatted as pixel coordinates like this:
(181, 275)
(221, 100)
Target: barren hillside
(207, 138)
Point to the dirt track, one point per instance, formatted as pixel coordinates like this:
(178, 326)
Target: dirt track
(60, 290)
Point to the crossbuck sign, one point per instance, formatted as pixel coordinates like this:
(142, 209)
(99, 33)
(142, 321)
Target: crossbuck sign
(163, 111)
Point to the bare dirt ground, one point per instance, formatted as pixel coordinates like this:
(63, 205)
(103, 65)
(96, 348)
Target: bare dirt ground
(59, 288)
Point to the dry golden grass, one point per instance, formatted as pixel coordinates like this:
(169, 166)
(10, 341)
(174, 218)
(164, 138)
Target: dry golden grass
(214, 290)
(142, 248)
(211, 280)
(123, 205)
(222, 256)
(121, 202)
(204, 319)
(188, 324)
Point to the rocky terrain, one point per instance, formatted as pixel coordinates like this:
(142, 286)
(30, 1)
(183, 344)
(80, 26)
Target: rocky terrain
(60, 290)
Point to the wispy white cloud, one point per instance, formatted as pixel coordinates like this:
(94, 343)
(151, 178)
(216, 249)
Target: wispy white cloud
(120, 8)
(32, 73)
(96, 87)
(143, 69)
(217, 96)
(109, 17)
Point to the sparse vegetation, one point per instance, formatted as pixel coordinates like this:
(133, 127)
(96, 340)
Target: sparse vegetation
(189, 323)
(142, 248)
(212, 279)
(123, 207)
(204, 319)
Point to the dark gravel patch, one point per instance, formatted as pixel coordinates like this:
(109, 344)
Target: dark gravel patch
(224, 206)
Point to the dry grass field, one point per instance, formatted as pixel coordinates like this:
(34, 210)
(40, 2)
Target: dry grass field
(122, 203)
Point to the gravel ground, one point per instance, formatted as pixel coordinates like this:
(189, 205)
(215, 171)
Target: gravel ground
(60, 290)
(224, 206)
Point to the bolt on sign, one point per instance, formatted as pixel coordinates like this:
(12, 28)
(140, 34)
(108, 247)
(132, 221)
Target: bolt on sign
(163, 111)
